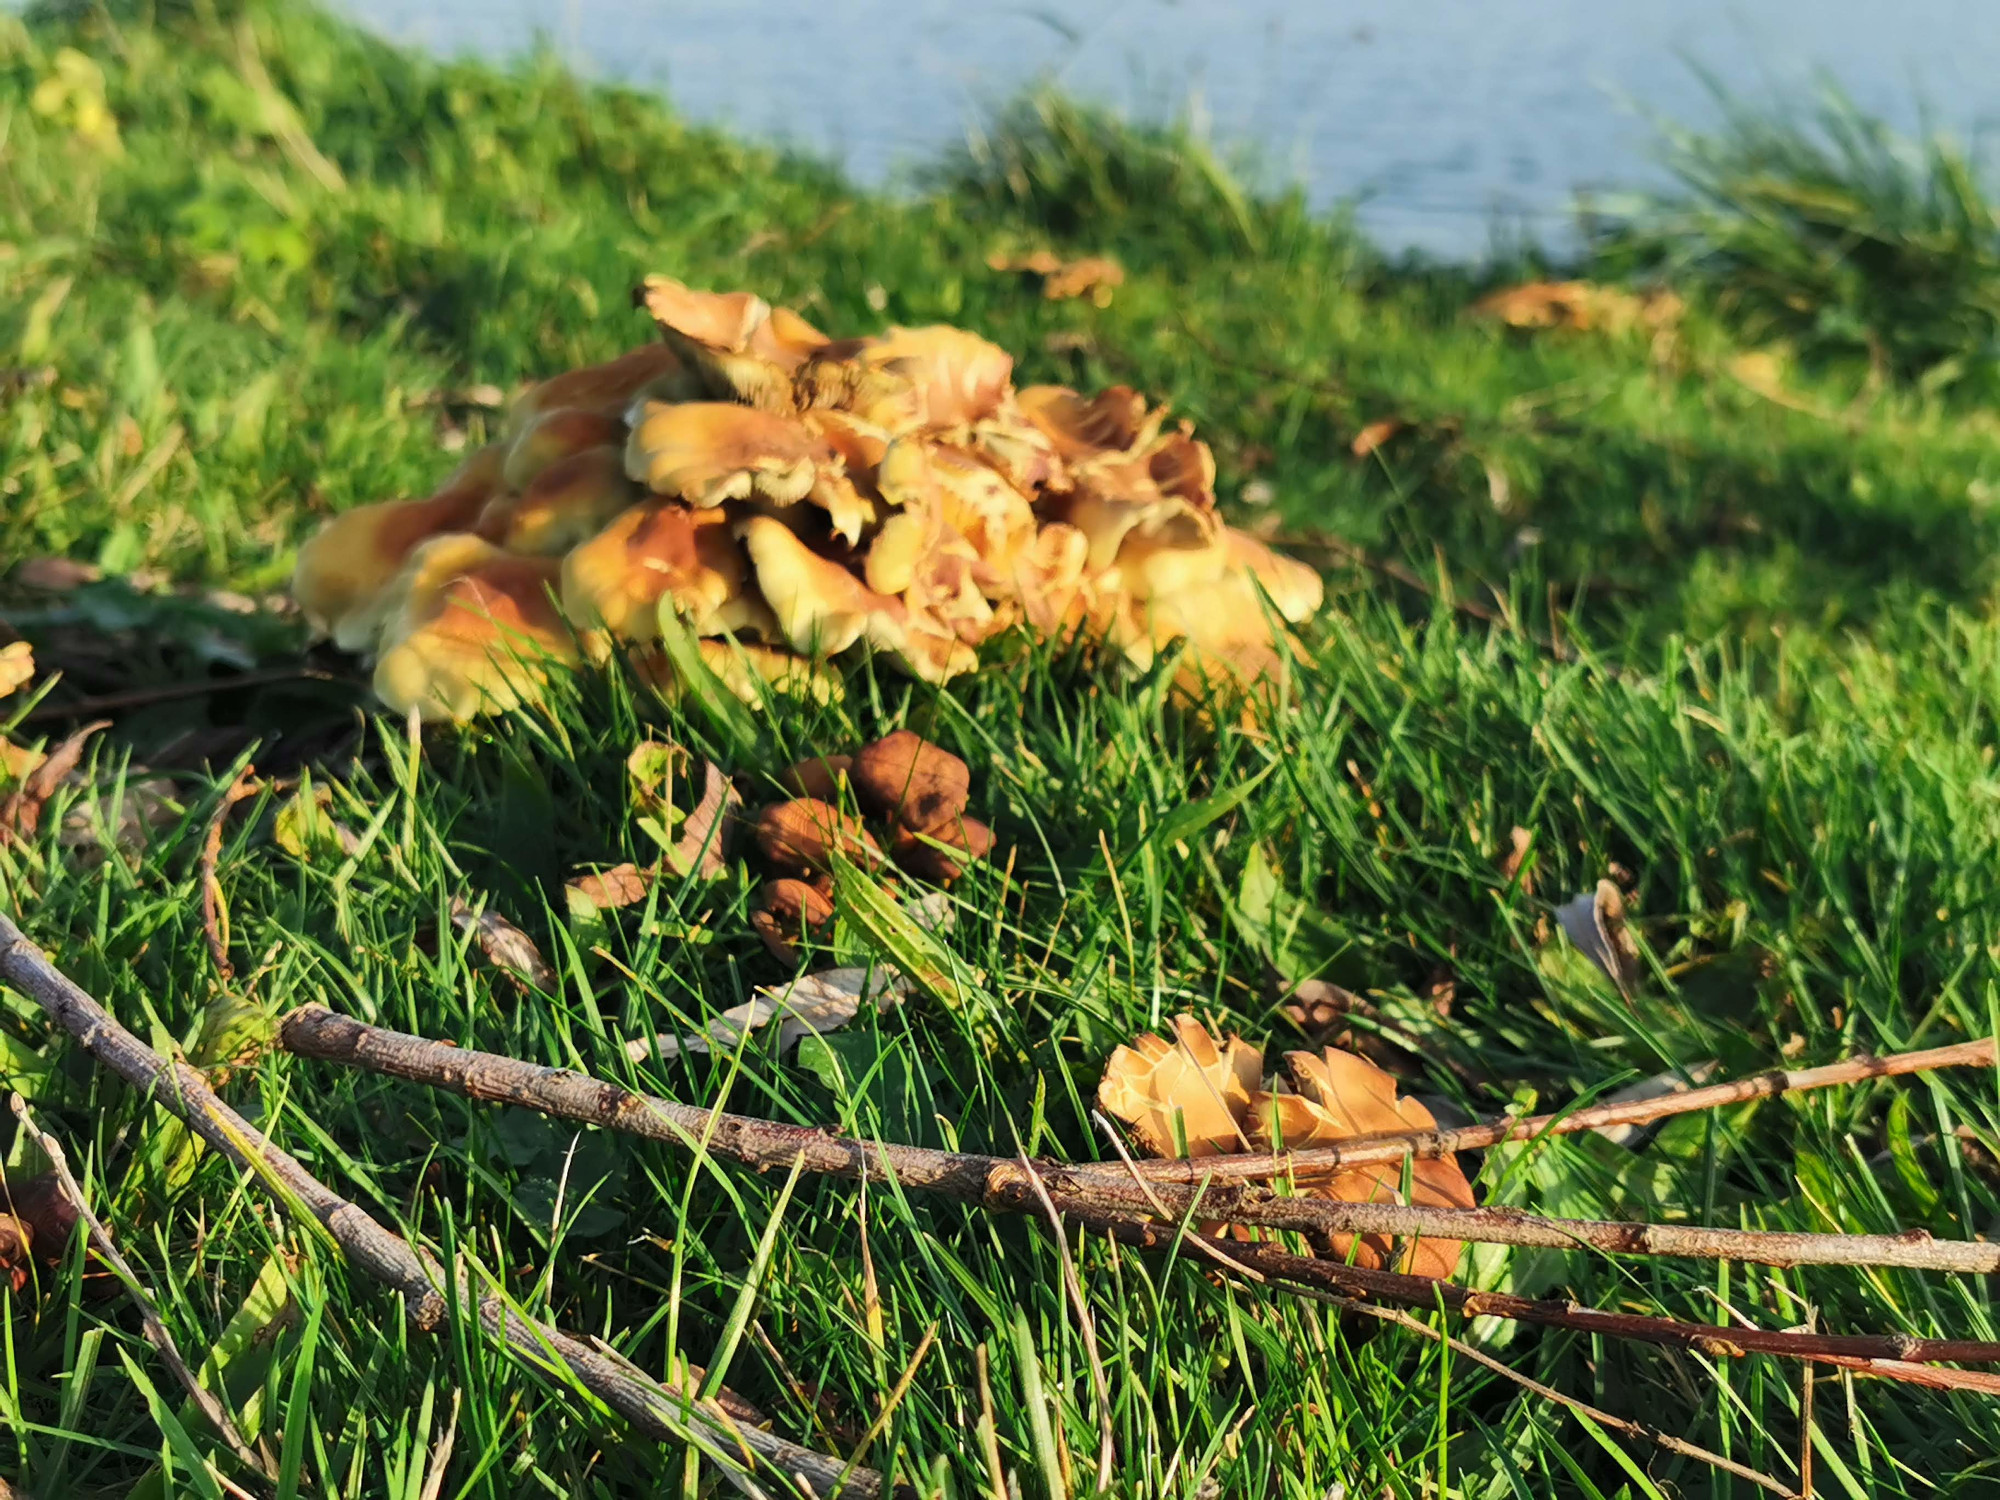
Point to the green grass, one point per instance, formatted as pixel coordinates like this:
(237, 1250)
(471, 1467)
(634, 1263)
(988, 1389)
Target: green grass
(1784, 734)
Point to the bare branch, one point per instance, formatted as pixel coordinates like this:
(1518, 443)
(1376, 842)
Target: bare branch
(1133, 1210)
(1323, 1160)
(660, 1411)
(206, 1401)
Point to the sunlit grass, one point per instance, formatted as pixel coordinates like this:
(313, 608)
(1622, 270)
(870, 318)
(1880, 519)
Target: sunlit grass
(275, 295)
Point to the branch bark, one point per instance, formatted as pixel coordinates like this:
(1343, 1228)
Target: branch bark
(1143, 1208)
(1394, 1146)
(660, 1411)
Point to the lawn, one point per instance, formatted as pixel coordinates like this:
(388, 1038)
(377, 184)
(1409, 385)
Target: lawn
(1705, 606)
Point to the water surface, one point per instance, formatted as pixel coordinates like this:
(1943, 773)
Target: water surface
(1443, 117)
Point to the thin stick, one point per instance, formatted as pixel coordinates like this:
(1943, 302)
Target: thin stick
(989, 1430)
(1806, 1423)
(1107, 1450)
(1395, 1145)
(1603, 1418)
(998, 1182)
(154, 1327)
(85, 708)
(660, 1411)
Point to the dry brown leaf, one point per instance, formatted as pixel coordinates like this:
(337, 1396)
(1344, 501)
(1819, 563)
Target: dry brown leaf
(54, 575)
(21, 813)
(809, 1005)
(619, 886)
(1519, 840)
(1374, 435)
(504, 945)
(1092, 276)
(1193, 1090)
(1580, 305)
(703, 848)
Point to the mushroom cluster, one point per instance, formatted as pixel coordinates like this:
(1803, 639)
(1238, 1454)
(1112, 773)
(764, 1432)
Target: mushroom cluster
(1196, 1095)
(785, 497)
(915, 793)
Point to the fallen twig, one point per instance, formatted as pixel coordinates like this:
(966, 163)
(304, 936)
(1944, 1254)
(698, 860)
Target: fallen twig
(108, 703)
(155, 1329)
(1324, 1160)
(660, 1411)
(1598, 1415)
(1002, 1183)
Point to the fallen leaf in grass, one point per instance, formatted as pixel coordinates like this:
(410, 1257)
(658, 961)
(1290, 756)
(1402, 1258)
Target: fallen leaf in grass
(122, 819)
(306, 829)
(649, 772)
(1580, 305)
(1519, 840)
(1373, 436)
(505, 946)
(619, 886)
(1092, 276)
(54, 575)
(932, 911)
(1595, 924)
(36, 1220)
(17, 667)
(1189, 1096)
(703, 848)
(810, 1005)
(21, 813)
(17, 762)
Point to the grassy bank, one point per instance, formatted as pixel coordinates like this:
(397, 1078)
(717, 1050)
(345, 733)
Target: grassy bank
(255, 268)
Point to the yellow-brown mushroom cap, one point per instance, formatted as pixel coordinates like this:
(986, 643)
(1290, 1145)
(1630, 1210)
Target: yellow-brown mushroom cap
(962, 377)
(1193, 1089)
(820, 606)
(709, 452)
(1295, 589)
(1340, 1096)
(476, 643)
(344, 568)
(567, 503)
(554, 436)
(743, 348)
(1081, 428)
(607, 388)
(651, 552)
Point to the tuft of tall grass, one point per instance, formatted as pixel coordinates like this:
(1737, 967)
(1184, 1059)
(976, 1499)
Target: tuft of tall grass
(1824, 227)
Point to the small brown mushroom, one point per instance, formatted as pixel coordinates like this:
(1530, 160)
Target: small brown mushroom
(905, 778)
(805, 834)
(818, 776)
(942, 854)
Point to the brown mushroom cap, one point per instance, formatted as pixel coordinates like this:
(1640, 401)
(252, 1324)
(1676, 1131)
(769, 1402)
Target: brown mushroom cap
(707, 452)
(904, 777)
(473, 632)
(607, 388)
(652, 552)
(553, 436)
(1296, 590)
(566, 503)
(344, 568)
(741, 347)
